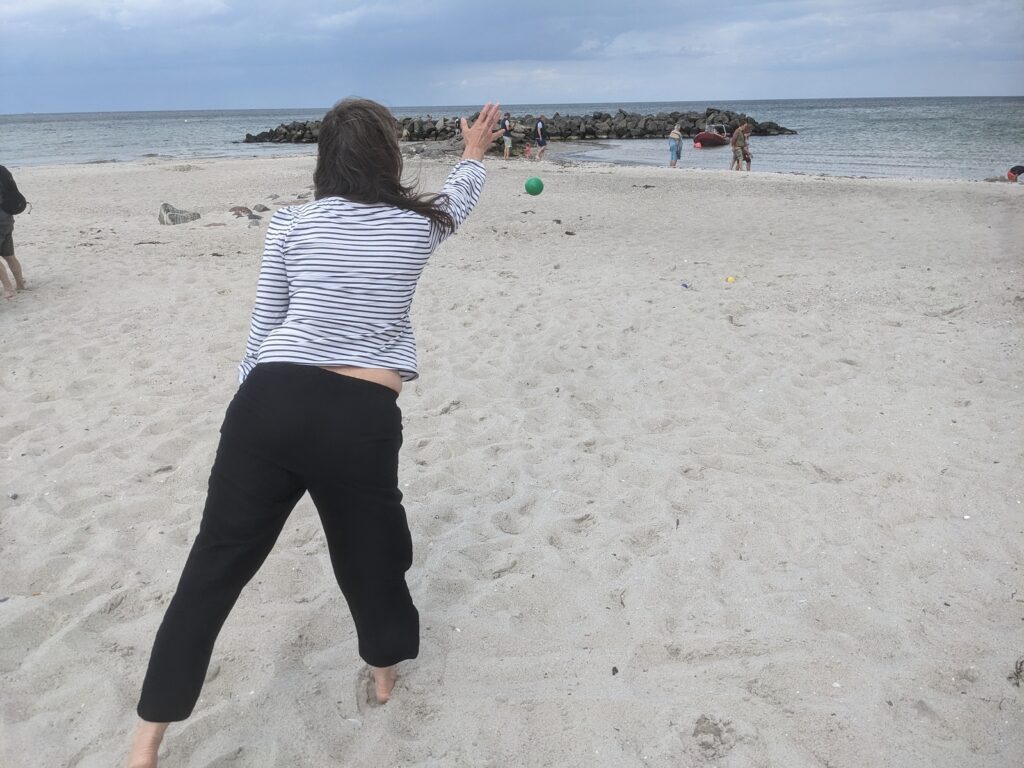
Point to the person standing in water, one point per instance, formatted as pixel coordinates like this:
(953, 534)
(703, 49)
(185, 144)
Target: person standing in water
(741, 146)
(675, 145)
(329, 348)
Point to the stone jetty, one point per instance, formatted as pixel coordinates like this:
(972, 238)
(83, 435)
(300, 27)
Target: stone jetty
(597, 125)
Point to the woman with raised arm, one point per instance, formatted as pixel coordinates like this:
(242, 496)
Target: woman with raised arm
(329, 348)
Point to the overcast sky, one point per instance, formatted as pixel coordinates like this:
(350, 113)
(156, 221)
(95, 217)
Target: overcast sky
(106, 55)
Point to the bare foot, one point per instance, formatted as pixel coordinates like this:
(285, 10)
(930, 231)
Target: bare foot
(384, 682)
(146, 744)
(9, 294)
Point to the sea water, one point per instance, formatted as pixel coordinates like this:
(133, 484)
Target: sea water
(949, 138)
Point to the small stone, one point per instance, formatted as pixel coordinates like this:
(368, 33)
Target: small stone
(14, 495)
(615, 671)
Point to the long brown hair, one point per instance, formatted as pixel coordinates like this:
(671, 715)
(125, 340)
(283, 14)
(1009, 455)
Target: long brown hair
(358, 158)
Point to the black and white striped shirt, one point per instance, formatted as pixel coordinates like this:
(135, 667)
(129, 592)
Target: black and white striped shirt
(338, 277)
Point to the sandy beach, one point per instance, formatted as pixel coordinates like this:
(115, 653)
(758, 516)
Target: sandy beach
(660, 519)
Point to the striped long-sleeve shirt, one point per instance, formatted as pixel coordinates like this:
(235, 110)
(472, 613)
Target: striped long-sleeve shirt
(338, 278)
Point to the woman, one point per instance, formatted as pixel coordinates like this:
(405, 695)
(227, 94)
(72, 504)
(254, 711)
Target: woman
(329, 348)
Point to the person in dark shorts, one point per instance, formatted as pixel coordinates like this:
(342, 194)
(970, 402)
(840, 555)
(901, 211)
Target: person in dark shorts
(506, 133)
(8, 187)
(541, 134)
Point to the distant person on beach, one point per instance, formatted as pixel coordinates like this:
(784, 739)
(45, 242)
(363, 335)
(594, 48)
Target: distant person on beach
(506, 134)
(675, 145)
(12, 202)
(541, 136)
(329, 348)
(528, 150)
(740, 143)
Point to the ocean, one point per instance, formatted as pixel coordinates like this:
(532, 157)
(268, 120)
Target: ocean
(944, 138)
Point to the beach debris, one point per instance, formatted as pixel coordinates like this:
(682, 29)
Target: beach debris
(615, 671)
(305, 195)
(216, 224)
(14, 496)
(685, 285)
(239, 211)
(260, 208)
(152, 242)
(569, 232)
(730, 279)
(643, 186)
(1017, 676)
(171, 215)
(273, 196)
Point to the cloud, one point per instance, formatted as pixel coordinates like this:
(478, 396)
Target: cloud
(453, 51)
(125, 13)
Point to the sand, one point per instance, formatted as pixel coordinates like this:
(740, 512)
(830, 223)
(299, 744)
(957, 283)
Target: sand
(774, 522)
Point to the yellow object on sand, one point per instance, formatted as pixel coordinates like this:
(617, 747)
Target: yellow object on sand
(730, 279)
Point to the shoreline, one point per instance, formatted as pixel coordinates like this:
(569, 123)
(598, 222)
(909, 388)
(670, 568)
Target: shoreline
(559, 153)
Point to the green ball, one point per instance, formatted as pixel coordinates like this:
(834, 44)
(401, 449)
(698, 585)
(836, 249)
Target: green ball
(534, 186)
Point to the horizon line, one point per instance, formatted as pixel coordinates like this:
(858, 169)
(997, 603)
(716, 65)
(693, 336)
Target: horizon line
(537, 104)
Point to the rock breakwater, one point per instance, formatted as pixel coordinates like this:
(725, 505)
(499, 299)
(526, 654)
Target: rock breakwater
(596, 125)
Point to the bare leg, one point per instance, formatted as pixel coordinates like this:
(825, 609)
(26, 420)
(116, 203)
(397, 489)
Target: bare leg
(384, 681)
(6, 281)
(15, 265)
(146, 744)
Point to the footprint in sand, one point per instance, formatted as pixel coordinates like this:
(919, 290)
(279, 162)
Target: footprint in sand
(513, 522)
(366, 693)
(714, 736)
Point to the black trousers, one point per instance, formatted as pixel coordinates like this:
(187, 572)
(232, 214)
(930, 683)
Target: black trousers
(291, 429)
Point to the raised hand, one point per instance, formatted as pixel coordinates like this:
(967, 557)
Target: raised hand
(481, 134)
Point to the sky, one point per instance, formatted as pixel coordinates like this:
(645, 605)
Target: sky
(113, 55)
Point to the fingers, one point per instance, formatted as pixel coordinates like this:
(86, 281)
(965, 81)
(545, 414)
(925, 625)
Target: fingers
(488, 114)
